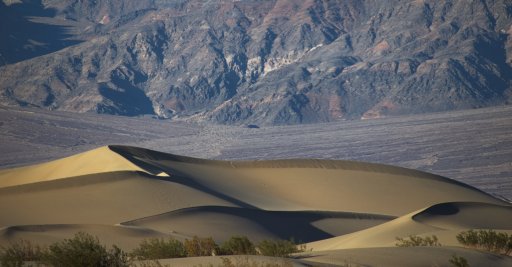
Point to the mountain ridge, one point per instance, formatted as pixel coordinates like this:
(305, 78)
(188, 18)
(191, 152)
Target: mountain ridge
(270, 62)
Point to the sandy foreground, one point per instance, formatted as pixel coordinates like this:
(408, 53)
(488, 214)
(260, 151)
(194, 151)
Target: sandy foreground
(348, 213)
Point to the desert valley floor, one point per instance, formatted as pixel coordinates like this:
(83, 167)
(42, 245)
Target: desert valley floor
(240, 180)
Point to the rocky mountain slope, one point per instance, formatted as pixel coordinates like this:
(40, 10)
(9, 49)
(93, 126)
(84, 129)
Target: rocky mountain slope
(264, 62)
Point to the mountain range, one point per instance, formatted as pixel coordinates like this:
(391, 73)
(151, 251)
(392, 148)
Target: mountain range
(256, 62)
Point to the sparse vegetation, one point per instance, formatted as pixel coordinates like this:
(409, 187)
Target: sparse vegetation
(196, 247)
(83, 250)
(278, 248)
(18, 252)
(459, 261)
(489, 240)
(418, 241)
(238, 245)
(159, 249)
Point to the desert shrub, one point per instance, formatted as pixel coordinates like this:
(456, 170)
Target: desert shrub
(16, 253)
(238, 245)
(117, 257)
(418, 241)
(278, 248)
(83, 250)
(200, 247)
(489, 240)
(159, 249)
(458, 261)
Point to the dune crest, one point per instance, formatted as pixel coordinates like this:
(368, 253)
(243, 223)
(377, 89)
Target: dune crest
(94, 161)
(126, 194)
(445, 220)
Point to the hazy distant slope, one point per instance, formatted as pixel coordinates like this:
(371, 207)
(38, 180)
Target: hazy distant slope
(270, 62)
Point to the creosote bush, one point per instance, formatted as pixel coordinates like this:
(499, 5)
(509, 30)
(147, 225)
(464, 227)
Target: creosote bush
(458, 261)
(418, 241)
(20, 251)
(238, 245)
(196, 247)
(159, 249)
(489, 240)
(83, 250)
(278, 248)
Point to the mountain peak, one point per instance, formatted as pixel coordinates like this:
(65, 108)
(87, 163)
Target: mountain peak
(264, 62)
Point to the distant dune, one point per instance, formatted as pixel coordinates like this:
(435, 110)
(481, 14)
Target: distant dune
(343, 209)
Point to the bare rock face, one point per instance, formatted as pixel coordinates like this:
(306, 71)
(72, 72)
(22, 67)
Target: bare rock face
(261, 62)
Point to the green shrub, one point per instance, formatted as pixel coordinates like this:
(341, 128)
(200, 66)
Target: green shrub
(458, 261)
(278, 248)
(418, 241)
(489, 240)
(83, 250)
(238, 245)
(117, 257)
(18, 252)
(201, 247)
(159, 249)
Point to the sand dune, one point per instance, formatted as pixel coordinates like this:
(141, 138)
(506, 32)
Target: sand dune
(125, 194)
(327, 185)
(408, 256)
(95, 161)
(127, 237)
(444, 220)
(259, 224)
(466, 215)
(381, 257)
(106, 198)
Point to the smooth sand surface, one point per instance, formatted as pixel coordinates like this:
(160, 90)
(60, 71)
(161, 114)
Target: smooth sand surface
(381, 257)
(126, 194)
(95, 161)
(408, 256)
(444, 220)
(258, 224)
(46, 234)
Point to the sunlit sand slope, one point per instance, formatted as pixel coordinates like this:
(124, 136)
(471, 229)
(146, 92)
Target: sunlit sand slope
(444, 220)
(342, 208)
(95, 161)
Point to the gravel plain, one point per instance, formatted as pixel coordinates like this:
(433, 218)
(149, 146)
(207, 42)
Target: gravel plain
(472, 146)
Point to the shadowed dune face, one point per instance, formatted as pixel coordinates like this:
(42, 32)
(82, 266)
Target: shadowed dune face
(303, 184)
(445, 220)
(466, 215)
(125, 194)
(259, 224)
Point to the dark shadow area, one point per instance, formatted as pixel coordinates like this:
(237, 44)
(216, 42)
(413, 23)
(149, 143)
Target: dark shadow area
(181, 178)
(283, 224)
(129, 101)
(22, 39)
(286, 225)
(442, 209)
